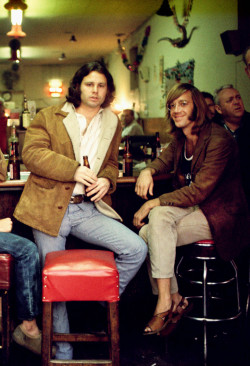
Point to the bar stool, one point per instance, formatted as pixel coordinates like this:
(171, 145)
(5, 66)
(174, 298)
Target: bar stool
(6, 282)
(201, 266)
(81, 275)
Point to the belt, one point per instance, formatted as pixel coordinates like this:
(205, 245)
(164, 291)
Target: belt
(77, 199)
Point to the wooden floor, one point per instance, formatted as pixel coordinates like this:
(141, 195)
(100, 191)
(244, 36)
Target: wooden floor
(229, 344)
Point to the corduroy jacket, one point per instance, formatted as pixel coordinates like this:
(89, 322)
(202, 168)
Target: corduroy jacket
(216, 186)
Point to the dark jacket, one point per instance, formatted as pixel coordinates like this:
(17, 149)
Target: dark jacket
(216, 186)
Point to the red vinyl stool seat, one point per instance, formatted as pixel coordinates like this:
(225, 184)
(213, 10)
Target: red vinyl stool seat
(212, 285)
(6, 281)
(81, 275)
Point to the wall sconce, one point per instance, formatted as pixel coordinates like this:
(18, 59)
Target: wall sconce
(16, 8)
(55, 88)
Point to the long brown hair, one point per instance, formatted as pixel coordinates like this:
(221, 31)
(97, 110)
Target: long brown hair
(200, 107)
(74, 92)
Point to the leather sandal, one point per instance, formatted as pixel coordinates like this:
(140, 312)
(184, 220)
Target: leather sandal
(159, 322)
(176, 317)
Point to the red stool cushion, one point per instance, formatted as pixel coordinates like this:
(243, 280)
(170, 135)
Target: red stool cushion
(80, 275)
(202, 249)
(6, 271)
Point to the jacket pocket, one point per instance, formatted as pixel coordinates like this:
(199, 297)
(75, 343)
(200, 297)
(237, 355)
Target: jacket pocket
(42, 182)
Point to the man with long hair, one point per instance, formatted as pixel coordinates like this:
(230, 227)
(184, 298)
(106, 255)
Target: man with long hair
(207, 201)
(55, 201)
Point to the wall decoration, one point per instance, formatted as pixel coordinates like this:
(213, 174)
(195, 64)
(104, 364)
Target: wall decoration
(10, 78)
(184, 39)
(180, 73)
(134, 66)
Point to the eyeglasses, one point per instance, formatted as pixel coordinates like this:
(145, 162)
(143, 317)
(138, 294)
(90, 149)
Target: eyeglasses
(181, 104)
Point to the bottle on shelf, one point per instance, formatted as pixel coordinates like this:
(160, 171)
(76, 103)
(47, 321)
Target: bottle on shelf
(127, 160)
(148, 153)
(14, 163)
(13, 138)
(158, 145)
(86, 163)
(26, 119)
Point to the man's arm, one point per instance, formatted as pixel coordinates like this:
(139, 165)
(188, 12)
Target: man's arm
(47, 150)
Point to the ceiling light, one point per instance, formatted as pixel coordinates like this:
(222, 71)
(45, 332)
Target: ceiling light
(16, 7)
(15, 4)
(62, 57)
(73, 38)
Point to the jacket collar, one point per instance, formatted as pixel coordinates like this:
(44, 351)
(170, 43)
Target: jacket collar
(108, 128)
(204, 134)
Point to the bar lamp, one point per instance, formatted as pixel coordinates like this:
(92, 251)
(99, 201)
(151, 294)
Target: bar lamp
(16, 8)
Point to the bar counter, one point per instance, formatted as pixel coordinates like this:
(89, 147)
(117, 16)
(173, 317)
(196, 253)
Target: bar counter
(125, 200)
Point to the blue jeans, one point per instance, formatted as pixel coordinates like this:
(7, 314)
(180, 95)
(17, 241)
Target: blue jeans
(27, 274)
(86, 223)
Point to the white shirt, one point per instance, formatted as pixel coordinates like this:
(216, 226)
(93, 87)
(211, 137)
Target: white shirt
(89, 141)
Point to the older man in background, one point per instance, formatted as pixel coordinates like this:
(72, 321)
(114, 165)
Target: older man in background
(131, 126)
(236, 120)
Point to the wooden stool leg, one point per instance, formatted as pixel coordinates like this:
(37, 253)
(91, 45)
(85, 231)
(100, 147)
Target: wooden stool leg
(113, 321)
(47, 333)
(6, 336)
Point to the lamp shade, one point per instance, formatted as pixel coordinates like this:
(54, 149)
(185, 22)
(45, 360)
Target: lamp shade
(16, 4)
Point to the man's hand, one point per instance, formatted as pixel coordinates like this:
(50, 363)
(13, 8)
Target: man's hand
(98, 189)
(6, 225)
(144, 211)
(144, 184)
(85, 176)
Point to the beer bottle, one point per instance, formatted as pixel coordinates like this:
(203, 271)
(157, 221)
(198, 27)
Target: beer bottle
(127, 160)
(25, 114)
(158, 145)
(13, 138)
(86, 163)
(14, 163)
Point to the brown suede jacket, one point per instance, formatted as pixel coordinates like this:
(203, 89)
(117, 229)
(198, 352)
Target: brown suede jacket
(50, 149)
(216, 186)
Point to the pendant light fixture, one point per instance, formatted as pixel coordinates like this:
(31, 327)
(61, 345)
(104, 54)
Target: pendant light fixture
(73, 38)
(16, 8)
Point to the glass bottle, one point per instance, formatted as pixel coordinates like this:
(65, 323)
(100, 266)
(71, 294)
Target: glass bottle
(14, 163)
(26, 114)
(13, 138)
(86, 163)
(158, 145)
(127, 160)
(149, 153)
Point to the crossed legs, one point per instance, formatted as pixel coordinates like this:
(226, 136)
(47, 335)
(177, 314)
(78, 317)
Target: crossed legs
(168, 228)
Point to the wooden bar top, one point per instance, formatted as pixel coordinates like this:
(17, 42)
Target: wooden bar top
(120, 180)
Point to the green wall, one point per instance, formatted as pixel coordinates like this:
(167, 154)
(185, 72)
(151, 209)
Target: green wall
(213, 67)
